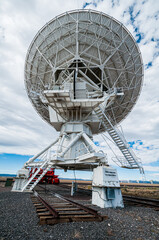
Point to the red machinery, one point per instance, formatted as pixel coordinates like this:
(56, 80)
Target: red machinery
(49, 177)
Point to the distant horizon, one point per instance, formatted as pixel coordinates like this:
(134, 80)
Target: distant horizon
(66, 178)
(14, 175)
(16, 161)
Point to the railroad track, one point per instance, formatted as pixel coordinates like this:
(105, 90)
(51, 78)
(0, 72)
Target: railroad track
(80, 190)
(128, 200)
(139, 201)
(63, 210)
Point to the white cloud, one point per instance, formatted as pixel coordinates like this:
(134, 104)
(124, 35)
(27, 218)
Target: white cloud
(154, 175)
(22, 131)
(152, 169)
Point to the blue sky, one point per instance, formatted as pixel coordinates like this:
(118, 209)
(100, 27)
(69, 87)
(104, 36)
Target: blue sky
(11, 163)
(23, 133)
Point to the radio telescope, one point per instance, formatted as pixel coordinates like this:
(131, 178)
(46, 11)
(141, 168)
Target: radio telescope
(83, 75)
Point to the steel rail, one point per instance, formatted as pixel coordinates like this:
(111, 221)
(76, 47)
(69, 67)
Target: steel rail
(142, 201)
(81, 206)
(86, 209)
(49, 208)
(154, 203)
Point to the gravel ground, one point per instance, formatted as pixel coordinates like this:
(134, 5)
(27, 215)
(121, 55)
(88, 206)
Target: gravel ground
(18, 220)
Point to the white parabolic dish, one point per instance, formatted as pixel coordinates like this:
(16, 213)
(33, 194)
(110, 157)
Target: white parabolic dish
(100, 47)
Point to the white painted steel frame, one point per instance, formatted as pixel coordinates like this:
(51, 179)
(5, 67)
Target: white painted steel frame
(99, 41)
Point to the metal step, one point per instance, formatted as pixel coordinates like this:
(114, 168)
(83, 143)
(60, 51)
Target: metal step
(32, 182)
(40, 177)
(131, 159)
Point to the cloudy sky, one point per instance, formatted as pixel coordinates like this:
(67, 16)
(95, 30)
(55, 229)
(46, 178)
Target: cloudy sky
(23, 133)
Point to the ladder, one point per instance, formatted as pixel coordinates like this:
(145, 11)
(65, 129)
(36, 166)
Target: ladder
(131, 161)
(36, 177)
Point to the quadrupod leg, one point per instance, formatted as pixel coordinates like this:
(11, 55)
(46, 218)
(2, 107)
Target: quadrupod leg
(26, 182)
(78, 153)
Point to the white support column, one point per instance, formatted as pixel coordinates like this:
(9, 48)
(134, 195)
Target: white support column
(61, 143)
(71, 144)
(74, 188)
(90, 142)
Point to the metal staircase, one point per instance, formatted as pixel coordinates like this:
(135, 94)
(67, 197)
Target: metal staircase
(35, 178)
(131, 161)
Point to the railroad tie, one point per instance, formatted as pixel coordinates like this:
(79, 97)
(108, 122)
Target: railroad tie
(64, 210)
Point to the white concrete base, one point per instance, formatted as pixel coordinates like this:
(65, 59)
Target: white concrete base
(19, 184)
(99, 198)
(20, 180)
(106, 191)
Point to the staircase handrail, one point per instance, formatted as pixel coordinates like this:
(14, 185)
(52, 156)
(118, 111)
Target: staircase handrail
(124, 141)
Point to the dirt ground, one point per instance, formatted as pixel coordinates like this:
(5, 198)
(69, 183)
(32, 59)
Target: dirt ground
(147, 192)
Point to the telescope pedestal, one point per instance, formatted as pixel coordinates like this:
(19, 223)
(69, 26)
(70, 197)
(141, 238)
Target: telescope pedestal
(75, 150)
(106, 191)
